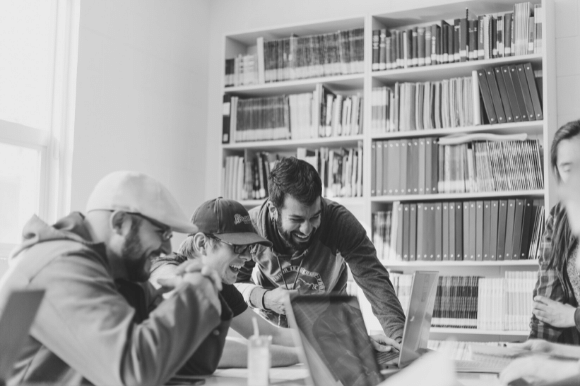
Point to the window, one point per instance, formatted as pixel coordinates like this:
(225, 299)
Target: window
(38, 56)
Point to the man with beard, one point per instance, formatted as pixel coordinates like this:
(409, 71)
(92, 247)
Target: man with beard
(101, 322)
(313, 240)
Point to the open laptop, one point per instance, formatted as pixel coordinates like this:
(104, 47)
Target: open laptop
(332, 338)
(17, 316)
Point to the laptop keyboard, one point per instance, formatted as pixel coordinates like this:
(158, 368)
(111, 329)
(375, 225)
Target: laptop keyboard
(383, 357)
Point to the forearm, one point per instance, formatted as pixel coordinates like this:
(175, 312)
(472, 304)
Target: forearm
(236, 354)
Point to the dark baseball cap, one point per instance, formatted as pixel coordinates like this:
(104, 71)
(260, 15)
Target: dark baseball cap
(227, 220)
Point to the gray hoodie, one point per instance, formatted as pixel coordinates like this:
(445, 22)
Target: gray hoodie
(88, 331)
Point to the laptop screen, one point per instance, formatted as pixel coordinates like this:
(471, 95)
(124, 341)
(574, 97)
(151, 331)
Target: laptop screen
(332, 330)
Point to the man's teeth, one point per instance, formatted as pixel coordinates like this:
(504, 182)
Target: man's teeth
(235, 268)
(302, 237)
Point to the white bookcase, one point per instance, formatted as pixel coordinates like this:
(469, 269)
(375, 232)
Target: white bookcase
(363, 207)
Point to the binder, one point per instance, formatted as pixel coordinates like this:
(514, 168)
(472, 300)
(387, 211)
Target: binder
(422, 163)
(458, 231)
(379, 168)
(519, 94)
(451, 231)
(512, 98)
(486, 96)
(504, 95)
(429, 251)
(400, 230)
(529, 216)
(465, 230)
(518, 227)
(421, 230)
(391, 170)
(413, 181)
(427, 166)
(403, 165)
(526, 92)
(509, 230)
(406, 231)
(472, 230)
(495, 96)
(374, 168)
(486, 230)
(445, 231)
(493, 228)
(438, 232)
(463, 42)
(434, 165)
(413, 232)
(501, 229)
(533, 91)
(479, 231)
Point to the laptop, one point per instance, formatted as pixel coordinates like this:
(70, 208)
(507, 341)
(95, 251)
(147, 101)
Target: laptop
(332, 339)
(17, 316)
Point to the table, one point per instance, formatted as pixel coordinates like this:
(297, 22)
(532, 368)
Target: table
(294, 376)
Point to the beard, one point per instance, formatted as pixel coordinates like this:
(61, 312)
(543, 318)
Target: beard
(289, 241)
(137, 263)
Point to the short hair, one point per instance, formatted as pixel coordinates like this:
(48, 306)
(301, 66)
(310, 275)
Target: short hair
(187, 246)
(567, 131)
(296, 178)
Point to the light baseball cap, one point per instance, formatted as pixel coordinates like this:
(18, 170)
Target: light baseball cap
(227, 220)
(135, 192)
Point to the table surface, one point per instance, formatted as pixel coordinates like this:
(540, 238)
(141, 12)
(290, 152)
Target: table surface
(294, 376)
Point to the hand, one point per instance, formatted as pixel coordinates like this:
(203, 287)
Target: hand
(538, 369)
(533, 346)
(196, 265)
(381, 342)
(275, 299)
(554, 313)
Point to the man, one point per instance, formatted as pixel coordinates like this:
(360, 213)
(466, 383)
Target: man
(552, 362)
(224, 241)
(98, 322)
(313, 239)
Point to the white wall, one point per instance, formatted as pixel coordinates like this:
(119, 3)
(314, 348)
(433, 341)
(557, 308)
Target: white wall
(232, 16)
(141, 95)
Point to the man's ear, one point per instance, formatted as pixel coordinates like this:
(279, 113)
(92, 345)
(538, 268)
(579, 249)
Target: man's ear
(120, 222)
(200, 242)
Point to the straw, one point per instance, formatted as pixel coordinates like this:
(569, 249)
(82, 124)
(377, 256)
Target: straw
(255, 323)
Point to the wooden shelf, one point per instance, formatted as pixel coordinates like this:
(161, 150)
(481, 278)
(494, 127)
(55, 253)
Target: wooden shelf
(460, 263)
(346, 201)
(340, 83)
(451, 70)
(532, 127)
(459, 196)
(292, 144)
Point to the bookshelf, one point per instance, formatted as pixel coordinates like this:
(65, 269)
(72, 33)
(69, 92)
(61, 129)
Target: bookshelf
(244, 42)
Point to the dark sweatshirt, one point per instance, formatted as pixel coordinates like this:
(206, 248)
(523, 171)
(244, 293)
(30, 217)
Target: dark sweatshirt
(340, 240)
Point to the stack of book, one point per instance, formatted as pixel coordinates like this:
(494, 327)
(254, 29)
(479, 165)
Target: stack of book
(506, 303)
(470, 230)
(317, 114)
(488, 36)
(510, 93)
(335, 53)
(472, 302)
(340, 169)
(422, 166)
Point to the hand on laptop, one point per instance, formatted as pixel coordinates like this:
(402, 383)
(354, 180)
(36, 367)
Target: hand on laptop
(381, 342)
(275, 299)
(537, 369)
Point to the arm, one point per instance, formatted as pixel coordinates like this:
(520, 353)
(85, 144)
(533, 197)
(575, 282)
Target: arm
(82, 309)
(236, 354)
(548, 285)
(368, 272)
(243, 325)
